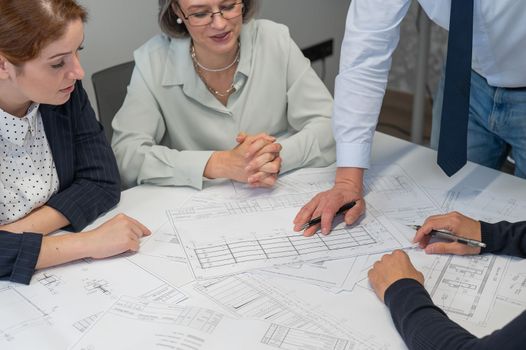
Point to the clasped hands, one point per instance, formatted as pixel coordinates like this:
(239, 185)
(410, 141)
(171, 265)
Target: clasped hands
(255, 160)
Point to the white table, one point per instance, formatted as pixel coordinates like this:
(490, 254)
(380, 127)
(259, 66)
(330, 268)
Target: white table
(148, 204)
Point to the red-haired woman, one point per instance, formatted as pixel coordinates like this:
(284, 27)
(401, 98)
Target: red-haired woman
(56, 169)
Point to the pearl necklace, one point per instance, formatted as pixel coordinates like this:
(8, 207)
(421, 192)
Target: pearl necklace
(226, 93)
(214, 70)
(198, 66)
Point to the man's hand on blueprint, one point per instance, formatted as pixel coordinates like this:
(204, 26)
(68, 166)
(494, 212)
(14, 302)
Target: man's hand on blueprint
(348, 187)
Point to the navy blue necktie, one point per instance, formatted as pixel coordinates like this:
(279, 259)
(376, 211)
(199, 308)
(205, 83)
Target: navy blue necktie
(452, 143)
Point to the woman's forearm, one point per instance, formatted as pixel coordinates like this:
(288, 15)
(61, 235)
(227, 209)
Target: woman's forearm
(58, 250)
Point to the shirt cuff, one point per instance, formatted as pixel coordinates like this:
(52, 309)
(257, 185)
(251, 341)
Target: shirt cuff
(487, 236)
(296, 152)
(184, 168)
(24, 266)
(70, 209)
(355, 155)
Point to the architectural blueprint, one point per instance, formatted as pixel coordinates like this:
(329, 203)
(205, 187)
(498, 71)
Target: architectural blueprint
(163, 243)
(151, 325)
(173, 272)
(468, 288)
(482, 205)
(234, 245)
(251, 296)
(464, 287)
(246, 297)
(512, 289)
(390, 190)
(257, 280)
(62, 302)
(219, 237)
(337, 274)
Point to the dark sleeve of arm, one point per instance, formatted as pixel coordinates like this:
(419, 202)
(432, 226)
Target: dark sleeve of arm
(19, 256)
(96, 183)
(423, 325)
(504, 238)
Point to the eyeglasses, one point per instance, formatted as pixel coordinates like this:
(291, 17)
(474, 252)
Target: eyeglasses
(227, 11)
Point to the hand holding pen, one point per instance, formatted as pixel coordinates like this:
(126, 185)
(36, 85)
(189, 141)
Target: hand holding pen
(347, 187)
(317, 220)
(309, 227)
(458, 235)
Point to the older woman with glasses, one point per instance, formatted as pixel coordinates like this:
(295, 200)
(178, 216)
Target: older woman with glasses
(220, 95)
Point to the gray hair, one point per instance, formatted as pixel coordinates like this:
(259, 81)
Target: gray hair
(168, 18)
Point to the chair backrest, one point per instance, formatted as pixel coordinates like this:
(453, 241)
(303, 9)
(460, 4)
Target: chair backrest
(110, 87)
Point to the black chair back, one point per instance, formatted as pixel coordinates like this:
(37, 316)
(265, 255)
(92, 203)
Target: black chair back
(110, 87)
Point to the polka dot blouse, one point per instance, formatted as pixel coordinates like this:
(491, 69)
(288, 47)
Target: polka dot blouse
(28, 177)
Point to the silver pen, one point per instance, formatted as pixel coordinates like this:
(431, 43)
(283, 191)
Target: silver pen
(452, 237)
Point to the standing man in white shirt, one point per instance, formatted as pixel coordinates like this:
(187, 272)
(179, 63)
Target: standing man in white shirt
(496, 120)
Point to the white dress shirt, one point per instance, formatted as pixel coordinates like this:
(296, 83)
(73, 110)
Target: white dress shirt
(371, 35)
(28, 177)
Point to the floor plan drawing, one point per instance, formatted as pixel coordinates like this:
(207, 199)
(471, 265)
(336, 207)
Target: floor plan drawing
(23, 313)
(244, 300)
(278, 247)
(248, 296)
(97, 286)
(513, 287)
(337, 274)
(482, 205)
(281, 337)
(163, 243)
(230, 248)
(240, 207)
(465, 287)
(395, 194)
(224, 269)
(49, 280)
(69, 298)
(85, 323)
(151, 325)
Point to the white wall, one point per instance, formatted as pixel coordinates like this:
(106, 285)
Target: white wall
(310, 22)
(114, 29)
(117, 27)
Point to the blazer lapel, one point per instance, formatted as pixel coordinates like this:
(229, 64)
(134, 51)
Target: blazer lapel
(60, 139)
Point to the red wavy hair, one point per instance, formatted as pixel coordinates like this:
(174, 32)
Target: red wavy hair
(27, 26)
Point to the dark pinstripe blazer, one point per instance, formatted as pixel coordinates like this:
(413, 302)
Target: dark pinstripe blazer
(86, 166)
(88, 174)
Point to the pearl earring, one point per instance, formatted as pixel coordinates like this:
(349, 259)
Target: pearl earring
(179, 20)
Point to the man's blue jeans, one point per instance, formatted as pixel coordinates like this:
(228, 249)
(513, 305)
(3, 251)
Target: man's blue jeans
(497, 123)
